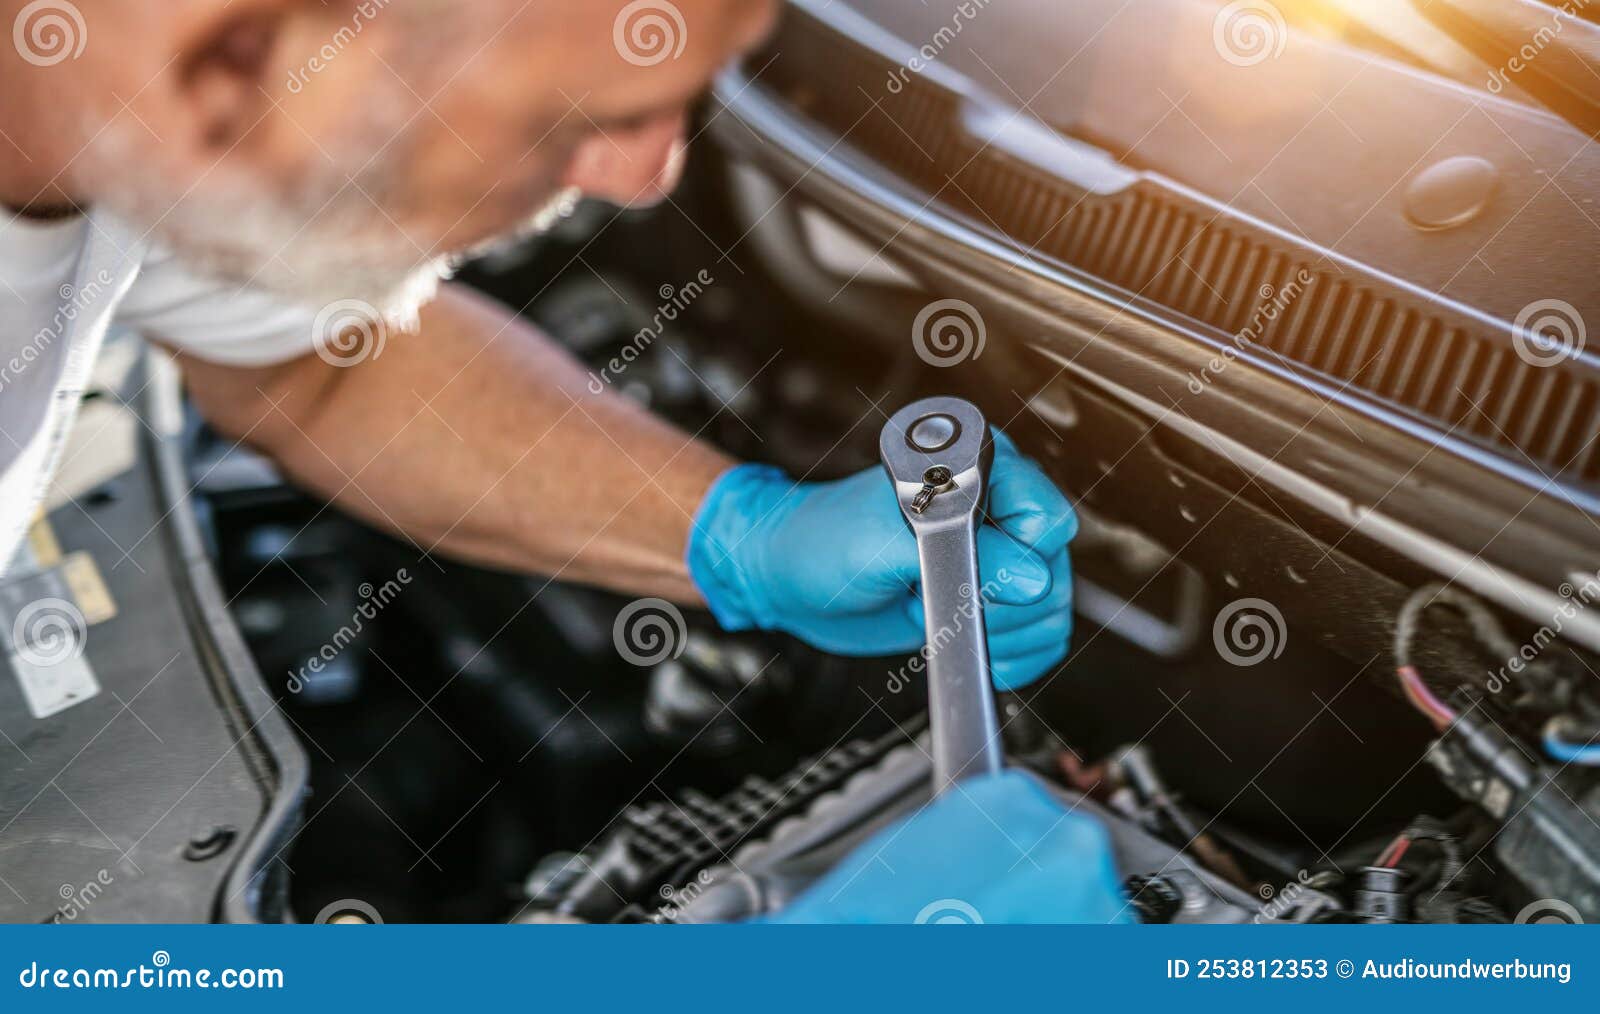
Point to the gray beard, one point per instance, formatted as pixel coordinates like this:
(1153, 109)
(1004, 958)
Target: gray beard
(313, 249)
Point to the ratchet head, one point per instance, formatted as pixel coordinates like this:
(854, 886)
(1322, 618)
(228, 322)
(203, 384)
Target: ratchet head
(937, 452)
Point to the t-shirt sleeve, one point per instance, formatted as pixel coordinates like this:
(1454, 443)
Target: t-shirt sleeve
(214, 321)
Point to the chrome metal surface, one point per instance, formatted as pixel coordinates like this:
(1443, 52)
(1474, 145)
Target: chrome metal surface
(941, 493)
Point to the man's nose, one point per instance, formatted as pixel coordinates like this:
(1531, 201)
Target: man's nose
(761, 17)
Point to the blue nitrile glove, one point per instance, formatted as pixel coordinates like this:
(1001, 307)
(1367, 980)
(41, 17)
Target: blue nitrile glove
(836, 565)
(998, 849)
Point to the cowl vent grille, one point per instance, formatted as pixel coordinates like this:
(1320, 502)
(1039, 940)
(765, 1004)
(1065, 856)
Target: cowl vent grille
(1359, 330)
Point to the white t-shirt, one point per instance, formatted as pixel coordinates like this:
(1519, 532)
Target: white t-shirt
(63, 285)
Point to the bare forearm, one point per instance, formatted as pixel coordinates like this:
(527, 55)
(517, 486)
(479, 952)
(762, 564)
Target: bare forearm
(480, 438)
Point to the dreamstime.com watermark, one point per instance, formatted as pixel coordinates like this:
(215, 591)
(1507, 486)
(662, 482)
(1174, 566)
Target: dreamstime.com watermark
(965, 615)
(374, 600)
(650, 32)
(1250, 631)
(1275, 302)
(675, 899)
(1248, 32)
(76, 899)
(75, 300)
(675, 301)
(349, 912)
(48, 32)
(1293, 900)
(928, 53)
(1537, 43)
(949, 332)
(348, 332)
(1548, 912)
(647, 632)
(363, 15)
(49, 632)
(158, 974)
(1575, 599)
(948, 912)
(1549, 332)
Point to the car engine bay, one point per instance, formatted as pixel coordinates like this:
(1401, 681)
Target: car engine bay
(715, 781)
(1335, 655)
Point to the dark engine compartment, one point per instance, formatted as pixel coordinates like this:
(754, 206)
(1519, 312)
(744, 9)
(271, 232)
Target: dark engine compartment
(481, 752)
(480, 722)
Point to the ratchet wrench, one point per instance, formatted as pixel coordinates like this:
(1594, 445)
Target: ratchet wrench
(937, 452)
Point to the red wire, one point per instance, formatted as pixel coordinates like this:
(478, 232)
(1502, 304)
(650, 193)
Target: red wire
(1397, 851)
(1418, 694)
(1383, 857)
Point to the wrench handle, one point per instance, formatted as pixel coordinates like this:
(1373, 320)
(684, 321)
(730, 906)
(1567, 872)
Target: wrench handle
(965, 730)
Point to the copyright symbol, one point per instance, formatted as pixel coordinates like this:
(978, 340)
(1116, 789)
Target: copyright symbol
(1345, 968)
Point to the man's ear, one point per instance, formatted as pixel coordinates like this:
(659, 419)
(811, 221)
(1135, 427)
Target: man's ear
(224, 68)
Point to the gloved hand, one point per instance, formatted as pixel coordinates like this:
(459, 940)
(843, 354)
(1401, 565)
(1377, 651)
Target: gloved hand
(998, 849)
(836, 565)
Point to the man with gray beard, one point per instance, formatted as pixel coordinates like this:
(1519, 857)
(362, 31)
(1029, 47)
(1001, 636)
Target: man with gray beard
(249, 183)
